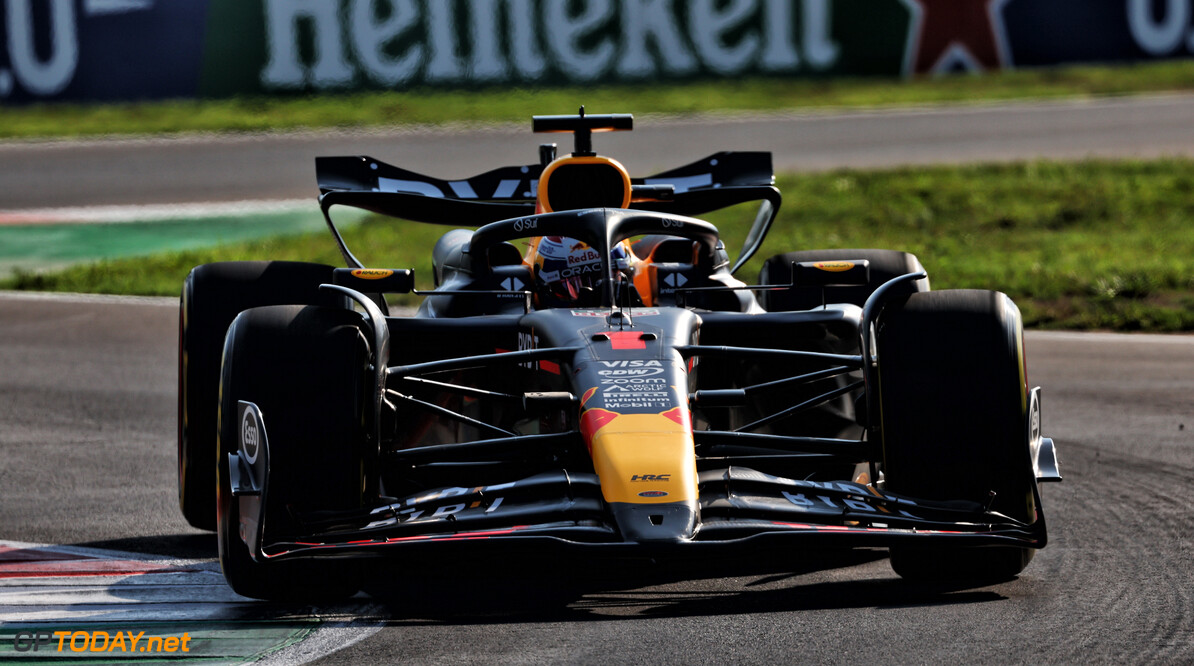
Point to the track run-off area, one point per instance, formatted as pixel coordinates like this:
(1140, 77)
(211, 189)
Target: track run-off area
(91, 539)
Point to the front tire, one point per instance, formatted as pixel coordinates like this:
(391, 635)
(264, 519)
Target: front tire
(953, 403)
(306, 368)
(212, 296)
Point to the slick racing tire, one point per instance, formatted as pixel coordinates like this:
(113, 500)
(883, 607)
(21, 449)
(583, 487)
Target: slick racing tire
(212, 295)
(953, 402)
(885, 265)
(306, 369)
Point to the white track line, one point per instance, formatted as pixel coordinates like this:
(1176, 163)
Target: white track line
(144, 212)
(88, 299)
(184, 594)
(1107, 336)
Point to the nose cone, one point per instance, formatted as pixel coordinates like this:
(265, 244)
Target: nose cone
(647, 467)
(656, 523)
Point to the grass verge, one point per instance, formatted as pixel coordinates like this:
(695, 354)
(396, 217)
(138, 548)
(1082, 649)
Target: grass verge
(1084, 245)
(435, 107)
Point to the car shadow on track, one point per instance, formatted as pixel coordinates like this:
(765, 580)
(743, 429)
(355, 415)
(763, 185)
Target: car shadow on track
(195, 546)
(488, 588)
(495, 592)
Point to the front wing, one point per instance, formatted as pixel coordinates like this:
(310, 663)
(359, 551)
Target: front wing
(739, 508)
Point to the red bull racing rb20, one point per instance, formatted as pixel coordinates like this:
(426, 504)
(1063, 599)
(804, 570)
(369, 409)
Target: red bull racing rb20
(589, 373)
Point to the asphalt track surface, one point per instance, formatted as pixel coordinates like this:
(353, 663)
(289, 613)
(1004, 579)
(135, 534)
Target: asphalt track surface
(87, 398)
(87, 428)
(254, 166)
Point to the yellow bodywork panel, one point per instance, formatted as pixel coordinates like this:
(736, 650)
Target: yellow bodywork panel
(645, 459)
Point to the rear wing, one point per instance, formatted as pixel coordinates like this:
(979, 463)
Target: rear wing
(719, 181)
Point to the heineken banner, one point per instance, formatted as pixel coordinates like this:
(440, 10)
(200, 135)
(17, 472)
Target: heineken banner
(115, 50)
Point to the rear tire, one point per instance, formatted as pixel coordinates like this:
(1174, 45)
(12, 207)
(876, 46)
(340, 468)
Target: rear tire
(953, 402)
(306, 368)
(212, 295)
(885, 265)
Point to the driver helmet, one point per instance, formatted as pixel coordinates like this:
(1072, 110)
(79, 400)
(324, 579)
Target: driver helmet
(568, 272)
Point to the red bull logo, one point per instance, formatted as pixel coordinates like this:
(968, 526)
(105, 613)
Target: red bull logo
(834, 266)
(593, 420)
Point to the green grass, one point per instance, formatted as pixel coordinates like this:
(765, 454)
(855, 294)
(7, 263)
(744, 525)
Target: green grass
(1078, 245)
(439, 107)
(1085, 245)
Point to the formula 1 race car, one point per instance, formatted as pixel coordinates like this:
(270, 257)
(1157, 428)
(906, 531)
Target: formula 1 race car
(588, 374)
